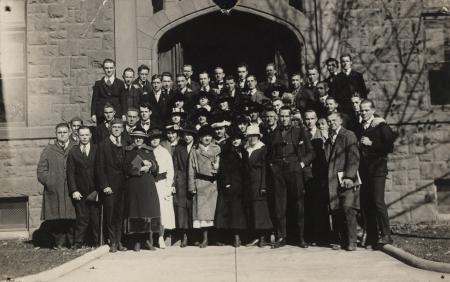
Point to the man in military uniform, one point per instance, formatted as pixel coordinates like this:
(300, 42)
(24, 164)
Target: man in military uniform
(290, 151)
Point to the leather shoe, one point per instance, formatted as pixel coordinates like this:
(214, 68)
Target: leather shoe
(184, 242)
(113, 248)
(149, 246)
(387, 239)
(281, 242)
(262, 243)
(335, 247)
(121, 248)
(302, 244)
(351, 247)
(137, 247)
(252, 243)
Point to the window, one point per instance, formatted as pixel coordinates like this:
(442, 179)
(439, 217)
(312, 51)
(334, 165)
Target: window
(13, 81)
(437, 44)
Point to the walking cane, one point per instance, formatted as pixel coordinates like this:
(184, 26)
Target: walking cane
(101, 225)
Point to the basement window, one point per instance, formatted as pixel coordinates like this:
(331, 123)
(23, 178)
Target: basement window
(14, 213)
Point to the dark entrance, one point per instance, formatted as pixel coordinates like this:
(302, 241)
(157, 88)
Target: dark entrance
(220, 40)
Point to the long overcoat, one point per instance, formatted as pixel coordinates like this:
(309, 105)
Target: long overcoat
(232, 178)
(342, 156)
(51, 172)
(182, 200)
(257, 203)
(205, 198)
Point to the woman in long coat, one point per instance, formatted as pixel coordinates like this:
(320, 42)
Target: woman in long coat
(142, 212)
(164, 184)
(202, 170)
(232, 175)
(255, 193)
(182, 198)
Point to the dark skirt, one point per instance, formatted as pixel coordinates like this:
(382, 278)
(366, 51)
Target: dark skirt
(183, 217)
(259, 215)
(230, 212)
(142, 205)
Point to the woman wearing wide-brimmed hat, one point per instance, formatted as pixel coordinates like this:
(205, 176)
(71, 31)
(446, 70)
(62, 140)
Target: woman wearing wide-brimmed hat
(142, 213)
(232, 178)
(164, 183)
(255, 194)
(202, 183)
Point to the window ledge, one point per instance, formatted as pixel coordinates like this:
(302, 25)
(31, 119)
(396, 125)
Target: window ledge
(17, 133)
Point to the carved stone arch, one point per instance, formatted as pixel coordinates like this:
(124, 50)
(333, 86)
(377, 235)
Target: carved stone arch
(186, 10)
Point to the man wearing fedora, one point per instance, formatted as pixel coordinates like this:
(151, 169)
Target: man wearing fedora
(290, 150)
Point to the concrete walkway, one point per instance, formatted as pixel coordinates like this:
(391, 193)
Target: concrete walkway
(249, 264)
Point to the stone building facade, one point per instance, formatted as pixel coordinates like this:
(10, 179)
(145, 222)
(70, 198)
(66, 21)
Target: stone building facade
(51, 53)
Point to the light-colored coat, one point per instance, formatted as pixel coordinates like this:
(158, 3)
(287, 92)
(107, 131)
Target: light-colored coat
(205, 199)
(51, 172)
(165, 186)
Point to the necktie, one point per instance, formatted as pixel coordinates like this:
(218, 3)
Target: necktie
(83, 150)
(118, 142)
(108, 82)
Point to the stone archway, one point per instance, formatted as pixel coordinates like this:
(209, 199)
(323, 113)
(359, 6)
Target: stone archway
(215, 39)
(152, 29)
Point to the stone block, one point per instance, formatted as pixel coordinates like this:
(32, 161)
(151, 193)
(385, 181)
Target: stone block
(426, 157)
(60, 34)
(400, 177)
(80, 95)
(60, 67)
(414, 175)
(57, 10)
(188, 6)
(108, 41)
(424, 213)
(80, 62)
(144, 8)
(173, 12)
(74, 4)
(433, 170)
(37, 38)
(144, 40)
(40, 71)
(147, 26)
(66, 111)
(202, 4)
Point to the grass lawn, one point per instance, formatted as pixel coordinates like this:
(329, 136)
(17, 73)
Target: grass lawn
(431, 242)
(20, 258)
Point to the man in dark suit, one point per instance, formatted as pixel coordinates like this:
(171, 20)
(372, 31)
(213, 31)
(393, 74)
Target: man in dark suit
(191, 84)
(206, 89)
(348, 82)
(317, 223)
(111, 180)
(376, 142)
(130, 125)
(332, 67)
(142, 81)
(219, 83)
(107, 90)
(290, 151)
(253, 94)
(341, 151)
(74, 124)
(145, 124)
(103, 129)
(242, 72)
(296, 84)
(187, 92)
(159, 102)
(272, 81)
(132, 93)
(167, 84)
(83, 187)
(308, 96)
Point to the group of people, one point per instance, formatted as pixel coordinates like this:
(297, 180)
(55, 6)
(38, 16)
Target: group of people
(223, 161)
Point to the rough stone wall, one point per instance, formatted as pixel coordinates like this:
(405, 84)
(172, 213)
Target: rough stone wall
(18, 162)
(389, 42)
(67, 40)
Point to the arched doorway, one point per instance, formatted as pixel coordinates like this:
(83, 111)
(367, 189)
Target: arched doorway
(215, 39)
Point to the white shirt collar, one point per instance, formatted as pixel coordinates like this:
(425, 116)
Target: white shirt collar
(368, 123)
(112, 78)
(251, 149)
(87, 146)
(273, 79)
(347, 72)
(113, 139)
